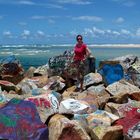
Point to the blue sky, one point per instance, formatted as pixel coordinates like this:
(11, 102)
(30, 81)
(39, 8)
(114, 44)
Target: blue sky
(59, 21)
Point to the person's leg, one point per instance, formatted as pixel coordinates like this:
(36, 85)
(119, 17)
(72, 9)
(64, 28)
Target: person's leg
(66, 76)
(82, 73)
(81, 79)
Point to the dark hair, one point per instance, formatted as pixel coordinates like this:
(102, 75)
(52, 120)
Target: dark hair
(78, 37)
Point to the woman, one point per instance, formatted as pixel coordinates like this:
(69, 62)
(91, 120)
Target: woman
(81, 52)
(75, 70)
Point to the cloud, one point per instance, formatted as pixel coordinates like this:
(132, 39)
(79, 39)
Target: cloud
(125, 32)
(50, 19)
(89, 32)
(40, 33)
(116, 33)
(93, 32)
(55, 6)
(79, 2)
(32, 3)
(98, 31)
(38, 17)
(45, 4)
(1, 17)
(138, 32)
(19, 2)
(109, 33)
(88, 18)
(25, 34)
(7, 1)
(22, 23)
(7, 34)
(25, 2)
(119, 20)
(129, 3)
(44, 17)
(73, 33)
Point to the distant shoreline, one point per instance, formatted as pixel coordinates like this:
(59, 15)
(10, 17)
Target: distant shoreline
(101, 45)
(70, 45)
(115, 45)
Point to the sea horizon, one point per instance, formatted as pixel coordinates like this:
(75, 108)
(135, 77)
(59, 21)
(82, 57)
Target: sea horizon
(39, 54)
(68, 45)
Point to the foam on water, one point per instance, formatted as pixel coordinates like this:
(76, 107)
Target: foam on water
(6, 53)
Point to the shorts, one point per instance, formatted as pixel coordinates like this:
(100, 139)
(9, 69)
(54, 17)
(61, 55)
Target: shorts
(76, 69)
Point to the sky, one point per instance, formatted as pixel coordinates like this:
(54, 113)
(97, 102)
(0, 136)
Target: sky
(59, 21)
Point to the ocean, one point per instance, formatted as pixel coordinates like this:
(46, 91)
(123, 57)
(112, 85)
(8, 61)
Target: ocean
(37, 55)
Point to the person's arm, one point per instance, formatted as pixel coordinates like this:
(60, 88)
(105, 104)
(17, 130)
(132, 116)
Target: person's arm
(88, 52)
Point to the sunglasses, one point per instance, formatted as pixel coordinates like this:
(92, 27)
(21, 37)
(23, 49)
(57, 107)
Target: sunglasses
(79, 38)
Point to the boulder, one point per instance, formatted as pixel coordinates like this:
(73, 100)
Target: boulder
(72, 106)
(40, 81)
(11, 70)
(61, 128)
(19, 119)
(26, 86)
(55, 83)
(107, 133)
(102, 96)
(111, 71)
(47, 104)
(134, 72)
(91, 99)
(121, 109)
(121, 87)
(30, 72)
(92, 78)
(99, 123)
(5, 85)
(130, 123)
(41, 70)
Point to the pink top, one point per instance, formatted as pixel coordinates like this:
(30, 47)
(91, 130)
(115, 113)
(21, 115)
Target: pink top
(80, 51)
